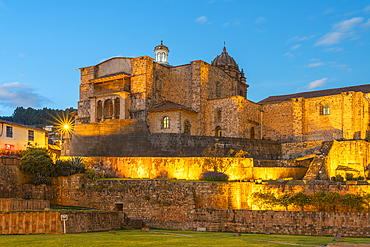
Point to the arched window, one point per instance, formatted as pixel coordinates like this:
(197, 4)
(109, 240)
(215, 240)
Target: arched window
(164, 57)
(218, 115)
(117, 108)
(253, 134)
(218, 131)
(324, 109)
(166, 123)
(218, 89)
(99, 110)
(108, 108)
(187, 127)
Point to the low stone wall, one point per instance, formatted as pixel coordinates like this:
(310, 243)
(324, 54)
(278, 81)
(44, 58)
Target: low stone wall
(90, 221)
(30, 222)
(278, 222)
(49, 222)
(13, 204)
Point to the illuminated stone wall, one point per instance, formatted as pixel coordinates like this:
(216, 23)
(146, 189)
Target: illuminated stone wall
(352, 156)
(301, 119)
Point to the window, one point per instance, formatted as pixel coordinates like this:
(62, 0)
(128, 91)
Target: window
(9, 147)
(164, 57)
(9, 131)
(166, 123)
(218, 131)
(253, 134)
(187, 127)
(218, 115)
(31, 135)
(218, 89)
(324, 109)
(99, 110)
(108, 108)
(116, 108)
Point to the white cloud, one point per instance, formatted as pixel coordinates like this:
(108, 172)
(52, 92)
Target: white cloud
(315, 64)
(21, 75)
(16, 94)
(2, 5)
(225, 24)
(348, 24)
(340, 31)
(260, 20)
(366, 24)
(202, 19)
(367, 8)
(331, 38)
(295, 47)
(21, 54)
(333, 49)
(289, 55)
(316, 83)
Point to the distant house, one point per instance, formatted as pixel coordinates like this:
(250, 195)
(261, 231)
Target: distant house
(15, 136)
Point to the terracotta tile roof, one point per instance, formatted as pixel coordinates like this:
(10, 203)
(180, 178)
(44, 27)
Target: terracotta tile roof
(169, 105)
(362, 88)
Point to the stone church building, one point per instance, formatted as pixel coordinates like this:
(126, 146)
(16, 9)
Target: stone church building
(210, 99)
(198, 98)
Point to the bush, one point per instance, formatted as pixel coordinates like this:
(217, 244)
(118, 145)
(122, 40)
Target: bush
(69, 167)
(37, 163)
(349, 176)
(339, 178)
(214, 176)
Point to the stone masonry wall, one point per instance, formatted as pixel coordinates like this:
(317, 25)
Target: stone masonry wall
(49, 222)
(131, 138)
(279, 222)
(278, 121)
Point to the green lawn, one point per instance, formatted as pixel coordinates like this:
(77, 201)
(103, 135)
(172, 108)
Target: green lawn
(140, 238)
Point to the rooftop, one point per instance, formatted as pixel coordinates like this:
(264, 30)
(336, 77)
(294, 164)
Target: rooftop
(313, 94)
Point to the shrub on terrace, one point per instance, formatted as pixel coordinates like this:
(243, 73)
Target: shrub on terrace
(38, 164)
(214, 176)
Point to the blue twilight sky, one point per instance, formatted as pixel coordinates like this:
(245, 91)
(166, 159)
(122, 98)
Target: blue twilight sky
(283, 46)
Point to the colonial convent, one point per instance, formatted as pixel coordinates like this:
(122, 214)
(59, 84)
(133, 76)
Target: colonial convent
(210, 99)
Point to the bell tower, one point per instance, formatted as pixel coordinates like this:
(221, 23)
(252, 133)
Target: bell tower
(161, 53)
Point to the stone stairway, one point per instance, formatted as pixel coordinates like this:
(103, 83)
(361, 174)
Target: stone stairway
(317, 170)
(216, 220)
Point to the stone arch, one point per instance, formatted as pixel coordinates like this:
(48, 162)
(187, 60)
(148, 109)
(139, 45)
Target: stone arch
(218, 89)
(108, 108)
(218, 115)
(165, 122)
(218, 132)
(117, 108)
(253, 133)
(99, 110)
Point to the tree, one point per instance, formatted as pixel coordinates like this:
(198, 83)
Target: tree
(301, 200)
(332, 200)
(264, 200)
(366, 200)
(284, 200)
(317, 201)
(354, 201)
(38, 164)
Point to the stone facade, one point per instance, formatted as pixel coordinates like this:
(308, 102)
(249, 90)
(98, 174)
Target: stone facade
(346, 115)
